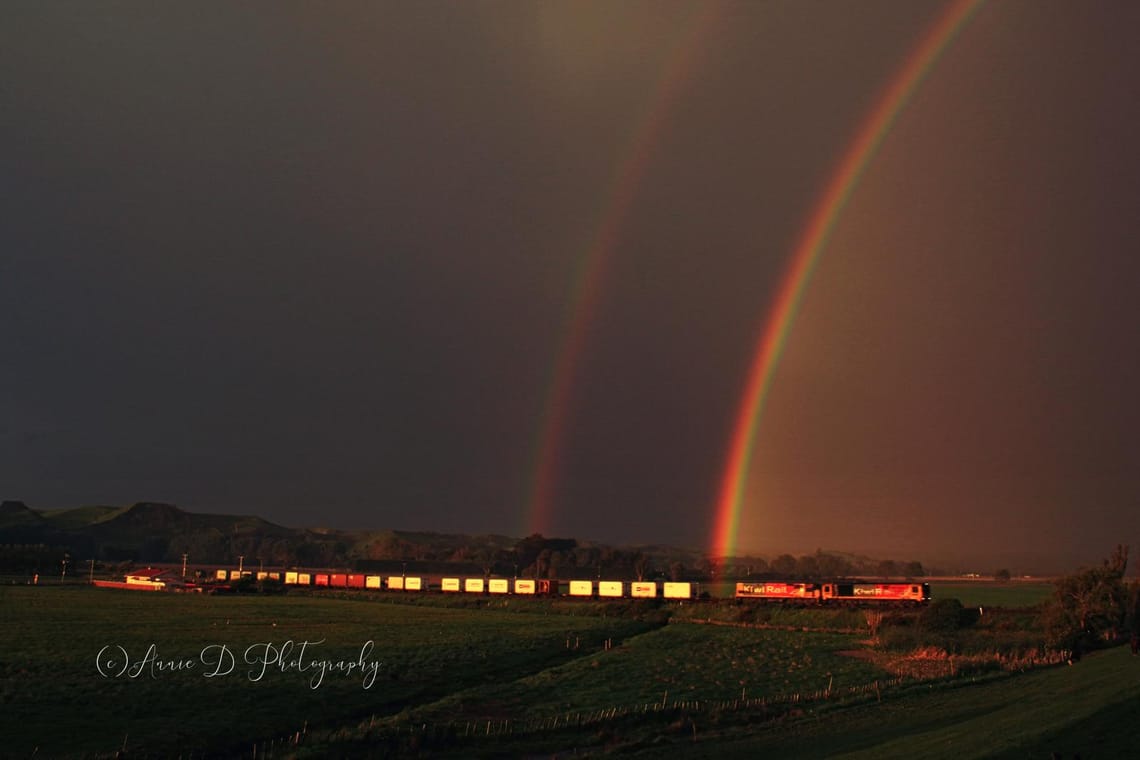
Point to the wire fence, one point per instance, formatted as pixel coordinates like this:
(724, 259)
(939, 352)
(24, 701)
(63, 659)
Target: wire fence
(396, 732)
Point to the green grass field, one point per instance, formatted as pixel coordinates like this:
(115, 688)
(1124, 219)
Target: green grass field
(450, 669)
(1090, 710)
(991, 594)
(49, 677)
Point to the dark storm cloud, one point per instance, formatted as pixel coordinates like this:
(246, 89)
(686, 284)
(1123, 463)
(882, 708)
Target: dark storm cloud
(315, 263)
(962, 363)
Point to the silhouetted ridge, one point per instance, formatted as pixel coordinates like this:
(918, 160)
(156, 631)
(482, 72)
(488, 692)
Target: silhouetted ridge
(152, 514)
(18, 513)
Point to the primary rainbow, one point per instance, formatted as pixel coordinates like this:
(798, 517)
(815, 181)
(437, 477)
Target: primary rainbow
(813, 240)
(586, 286)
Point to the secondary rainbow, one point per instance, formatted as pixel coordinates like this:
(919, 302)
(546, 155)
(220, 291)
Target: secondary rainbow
(586, 287)
(813, 240)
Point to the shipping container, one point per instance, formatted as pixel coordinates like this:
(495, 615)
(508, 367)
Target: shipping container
(581, 588)
(609, 588)
(473, 585)
(321, 579)
(291, 578)
(678, 590)
(395, 583)
(643, 590)
(413, 584)
(524, 586)
(262, 575)
(373, 581)
(304, 579)
(355, 580)
(222, 575)
(449, 584)
(498, 585)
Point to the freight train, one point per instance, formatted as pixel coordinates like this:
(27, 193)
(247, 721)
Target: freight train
(830, 592)
(836, 592)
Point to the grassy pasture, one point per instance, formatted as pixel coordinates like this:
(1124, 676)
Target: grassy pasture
(436, 663)
(1090, 710)
(677, 662)
(53, 697)
(991, 594)
(445, 661)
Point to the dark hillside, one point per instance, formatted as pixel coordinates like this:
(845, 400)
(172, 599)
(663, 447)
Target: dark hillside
(17, 514)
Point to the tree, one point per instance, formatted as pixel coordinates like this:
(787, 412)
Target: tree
(914, 569)
(676, 570)
(1002, 576)
(785, 564)
(1090, 606)
(831, 566)
(542, 563)
(641, 565)
(556, 560)
(528, 549)
(1132, 607)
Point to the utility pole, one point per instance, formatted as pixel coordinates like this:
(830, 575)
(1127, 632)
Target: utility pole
(184, 556)
(91, 575)
(63, 573)
(241, 558)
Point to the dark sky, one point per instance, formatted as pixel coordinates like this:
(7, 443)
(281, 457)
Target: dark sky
(317, 262)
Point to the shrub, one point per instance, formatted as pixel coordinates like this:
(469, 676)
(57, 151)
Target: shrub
(945, 616)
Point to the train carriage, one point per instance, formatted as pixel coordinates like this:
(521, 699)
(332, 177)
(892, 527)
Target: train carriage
(779, 591)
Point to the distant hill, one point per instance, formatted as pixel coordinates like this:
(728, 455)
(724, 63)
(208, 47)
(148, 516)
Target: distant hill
(16, 514)
(80, 516)
(142, 532)
(152, 532)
